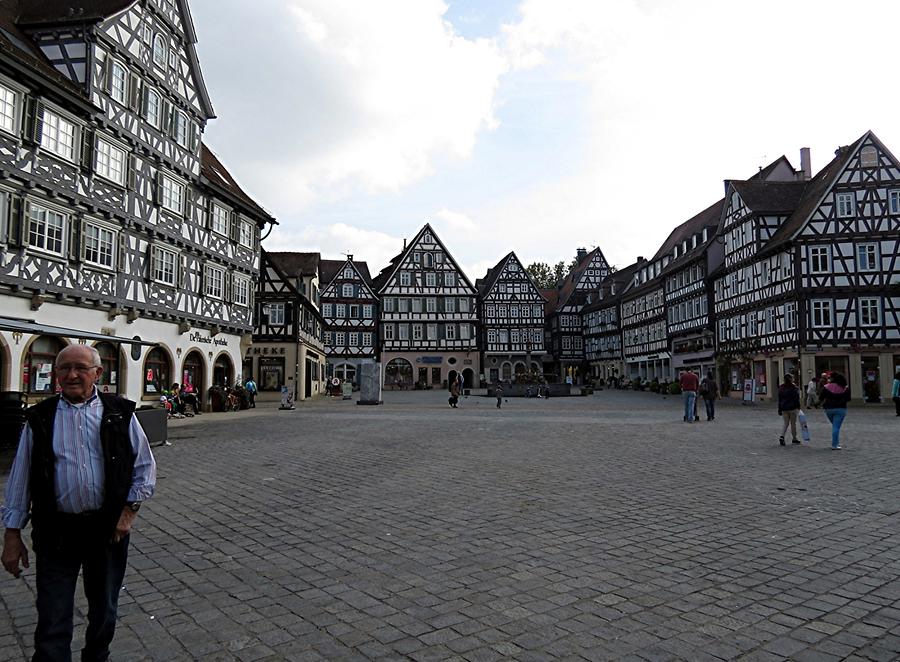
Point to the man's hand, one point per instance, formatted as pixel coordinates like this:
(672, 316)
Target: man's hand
(14, 551)
(123, 528)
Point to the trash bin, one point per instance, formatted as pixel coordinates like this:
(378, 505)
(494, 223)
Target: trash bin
(155, 421)
(12, 417)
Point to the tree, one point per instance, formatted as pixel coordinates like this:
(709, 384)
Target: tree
(560, 271)
(542, 275)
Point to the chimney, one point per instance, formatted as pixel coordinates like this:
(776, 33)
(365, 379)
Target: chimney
(581, 253)
(640, 259)
(404, 243)
(350, 257)
(805, 164)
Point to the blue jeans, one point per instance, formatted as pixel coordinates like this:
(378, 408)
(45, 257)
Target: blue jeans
(836, 416)
(103, 566)
(710, 408)
(690, 399)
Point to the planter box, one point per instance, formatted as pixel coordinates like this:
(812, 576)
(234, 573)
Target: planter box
(155, 422)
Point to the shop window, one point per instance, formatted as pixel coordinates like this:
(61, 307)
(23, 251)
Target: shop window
(157, 372)
(223, 371)
(109, 359)
(271, 373)
(38, 373)
(192, 372)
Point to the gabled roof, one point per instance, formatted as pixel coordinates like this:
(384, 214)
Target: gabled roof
(296, 265)
(621, 280)
(385, 275)
(770, 197)
(816, 190)
(329, 269)
(574, 276)
(708, 218)
(486, 284)
(217, 176)
(277, 264)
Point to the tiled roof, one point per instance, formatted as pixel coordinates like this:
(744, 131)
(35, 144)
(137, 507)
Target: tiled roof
(621, 280)
(484, 285)
(708, 218)
(552, 297)
(574, 275)
(217, 175)
(328, 269)
(770, 197)
(57, 12)
(296, 264)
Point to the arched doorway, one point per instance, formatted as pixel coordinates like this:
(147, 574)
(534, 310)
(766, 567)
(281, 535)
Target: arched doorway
(193, 371)
(468, 378)
(110, 378)
(535, 368)
(37, 373)
(223, 371)
(157, 372)
(519, 368)
(506, 371)
(398, 373)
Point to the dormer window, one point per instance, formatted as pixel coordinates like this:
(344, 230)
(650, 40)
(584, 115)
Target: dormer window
(868, 157)
(160, 51)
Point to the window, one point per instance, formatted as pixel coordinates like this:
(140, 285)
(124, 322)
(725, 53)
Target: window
(449, 305)
(790, 316)
(867, 257)
(538, 311)
(502, 310)
(514, 336)
(354, 339)
(220, 219)
(464, 331)
(8, 109)
(340, 338)
(389, 304)
(346, 290)
(110, 162)
(98, 245)
(405, 279)
(46, 230)
(214, 280)
(491, 310)
(354, 311)
(464, 305)
(172, 195)
(368, 311)
(417, 331)
(870, 312)
(450, 279)
(566, 342)
(492, 336)
(846, 204)
(819, 259)
(163, 266)
(367, 339)
(403, 305)
(327, 310)
(770, 320)
(821, 313)
(246, 234)
(430, 279)
(417, 258)
(276, 313)
(417, 305)
(450, 332)
(388, 331)
(58, 135)
(894, 202)
(180, 129)
(341, 310)
(503, 336)
(118, 82)
(403, 330)
(242, 291)
(156, 372)
(153, 107)
(429, 260)
(431, 305)
(160, 51)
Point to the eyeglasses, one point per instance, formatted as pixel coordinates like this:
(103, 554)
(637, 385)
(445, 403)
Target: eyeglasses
(80, 369)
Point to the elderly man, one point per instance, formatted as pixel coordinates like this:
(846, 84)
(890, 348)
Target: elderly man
(82, 470)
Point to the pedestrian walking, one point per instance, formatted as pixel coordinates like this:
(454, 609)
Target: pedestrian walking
(895, 392)
(252, 390)
(498, 391)
(709, 391)
(81, 472)
(812, 399)
(454, 394)
(788, 407)
(835, 397)
(689, 385)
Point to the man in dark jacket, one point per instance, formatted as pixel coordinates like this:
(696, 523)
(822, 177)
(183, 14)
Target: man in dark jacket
(82, 469)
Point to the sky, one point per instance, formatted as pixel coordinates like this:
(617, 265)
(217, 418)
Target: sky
(539, 126)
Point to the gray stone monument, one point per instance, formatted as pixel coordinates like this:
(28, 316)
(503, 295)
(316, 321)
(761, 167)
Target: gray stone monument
(369, 384)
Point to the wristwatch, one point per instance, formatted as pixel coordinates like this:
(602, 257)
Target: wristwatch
(134, 506)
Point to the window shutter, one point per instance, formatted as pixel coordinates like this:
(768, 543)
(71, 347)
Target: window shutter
(122, 258)
(188, 202)
(195, 136)
(182, 271)
(209, 212)
(107, 74)
(228, 286)
(134, 92)
(157, 189)
(34, 120)
(145, 100)
(234, 228)
(148, 260)
(87, 148)
(201, 280)
(18, 211)
(132, 172)
(76, 230)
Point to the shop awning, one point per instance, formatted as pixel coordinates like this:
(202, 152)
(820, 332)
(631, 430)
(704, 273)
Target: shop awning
(30, 326)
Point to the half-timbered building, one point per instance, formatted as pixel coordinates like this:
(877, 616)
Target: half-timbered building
(565, 323)
(511, 308)
(811, 278)
(602, 326)
(350, 311)
(116, 222)
(288, 350)
(428, 317)
(645, 345)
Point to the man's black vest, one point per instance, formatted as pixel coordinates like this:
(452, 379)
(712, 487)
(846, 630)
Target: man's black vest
(118, 459)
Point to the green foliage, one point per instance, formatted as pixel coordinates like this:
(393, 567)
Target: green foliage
(541, 274)
(674, 388)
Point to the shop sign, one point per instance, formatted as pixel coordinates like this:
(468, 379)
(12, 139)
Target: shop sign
(430, 359)
(206, 340)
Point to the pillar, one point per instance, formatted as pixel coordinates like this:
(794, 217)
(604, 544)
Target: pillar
(300, 382)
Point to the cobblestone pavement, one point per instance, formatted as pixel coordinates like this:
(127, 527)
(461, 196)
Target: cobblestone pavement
(589, 528)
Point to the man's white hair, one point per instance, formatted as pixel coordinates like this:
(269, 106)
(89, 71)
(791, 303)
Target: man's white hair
(95, 355)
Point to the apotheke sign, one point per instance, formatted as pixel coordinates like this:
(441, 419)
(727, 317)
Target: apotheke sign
(218, 342)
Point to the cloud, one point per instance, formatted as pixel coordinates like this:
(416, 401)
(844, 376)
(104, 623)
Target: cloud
(341, 97)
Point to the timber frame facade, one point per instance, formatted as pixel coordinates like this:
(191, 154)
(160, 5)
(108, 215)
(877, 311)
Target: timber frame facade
(512, 321)
(114, 217)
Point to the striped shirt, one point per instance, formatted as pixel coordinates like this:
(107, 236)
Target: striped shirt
(79, 475)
